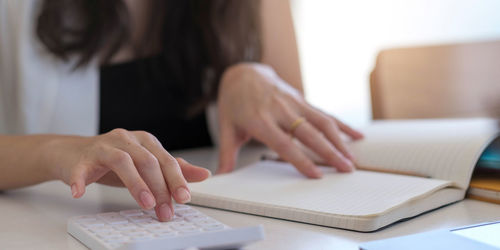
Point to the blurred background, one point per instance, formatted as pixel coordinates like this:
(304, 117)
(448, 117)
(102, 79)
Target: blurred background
(339, 42)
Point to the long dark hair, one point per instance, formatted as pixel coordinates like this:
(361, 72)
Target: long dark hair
(198, 36)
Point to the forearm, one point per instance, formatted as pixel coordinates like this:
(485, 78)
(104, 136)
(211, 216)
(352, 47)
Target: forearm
(25, 160)
(279, 41)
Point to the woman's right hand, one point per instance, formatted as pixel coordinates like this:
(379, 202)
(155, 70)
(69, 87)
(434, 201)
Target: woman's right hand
(152, 176)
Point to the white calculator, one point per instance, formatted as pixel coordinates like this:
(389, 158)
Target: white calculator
(140, 229)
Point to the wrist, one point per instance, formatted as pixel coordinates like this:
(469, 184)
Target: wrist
(242, 69)
(47, 155)
(55, 156)
(238, 75)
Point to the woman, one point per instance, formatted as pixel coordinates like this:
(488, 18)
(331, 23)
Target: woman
(89, 68)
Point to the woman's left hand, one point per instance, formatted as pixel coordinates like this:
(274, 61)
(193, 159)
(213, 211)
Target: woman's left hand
(254, 102)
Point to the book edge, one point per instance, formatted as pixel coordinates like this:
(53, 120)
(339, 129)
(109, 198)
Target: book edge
(413, 208)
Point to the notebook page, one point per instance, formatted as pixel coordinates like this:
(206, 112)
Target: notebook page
(444, 149)
(360, 193)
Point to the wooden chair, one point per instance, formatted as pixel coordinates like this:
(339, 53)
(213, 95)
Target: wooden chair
(460, 80)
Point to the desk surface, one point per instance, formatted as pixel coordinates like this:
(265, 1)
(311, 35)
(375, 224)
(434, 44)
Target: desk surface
(35, 217)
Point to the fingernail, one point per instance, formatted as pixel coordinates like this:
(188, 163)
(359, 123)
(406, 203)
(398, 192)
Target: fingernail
(349, 164)
(316, 172)
(182, 195)
(164, 212)
(147, 200)
(74, 192)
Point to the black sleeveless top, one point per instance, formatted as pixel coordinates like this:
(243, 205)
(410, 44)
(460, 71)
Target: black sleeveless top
(139, 95)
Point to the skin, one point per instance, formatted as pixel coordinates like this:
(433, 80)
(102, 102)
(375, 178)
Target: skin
(275, 102)
(134, 159)
(266, 115)
(256, 100)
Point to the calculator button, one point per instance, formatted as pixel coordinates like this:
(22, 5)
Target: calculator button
(116, 221)
(133, 212)
(159, 229)
(195, 217)
(175, 225)
(110, 235)
(126, 227)
(187, 229)
(148, 223)
(183, 224)
(140, 218)
(135, 232)
(185, 212)
(175, 219)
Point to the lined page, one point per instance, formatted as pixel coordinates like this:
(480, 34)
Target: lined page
(359, 193)
(443, 148)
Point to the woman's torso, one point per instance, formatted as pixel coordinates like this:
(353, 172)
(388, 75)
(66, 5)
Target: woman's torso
(140, 95)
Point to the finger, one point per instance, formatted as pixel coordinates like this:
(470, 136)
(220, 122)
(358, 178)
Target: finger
(77, 181)
(353, 133)
(273, 136)
(191, 172)
(169, 167)
(229, 148)
(329, 128)
(149, 168)
(121, 163)
(314, 140)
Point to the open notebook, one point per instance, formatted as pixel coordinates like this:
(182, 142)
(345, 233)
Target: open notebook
(444, 150)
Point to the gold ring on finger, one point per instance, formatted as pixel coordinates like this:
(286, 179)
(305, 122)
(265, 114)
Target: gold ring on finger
(296, 124)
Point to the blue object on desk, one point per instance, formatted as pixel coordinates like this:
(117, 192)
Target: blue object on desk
(485, 236)
(490, 158)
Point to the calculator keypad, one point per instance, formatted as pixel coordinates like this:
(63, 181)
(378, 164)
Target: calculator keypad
(118, 228)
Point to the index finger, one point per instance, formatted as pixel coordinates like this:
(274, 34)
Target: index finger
(169, 166)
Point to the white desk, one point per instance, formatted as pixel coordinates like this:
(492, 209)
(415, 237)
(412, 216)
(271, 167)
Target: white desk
(35, 217)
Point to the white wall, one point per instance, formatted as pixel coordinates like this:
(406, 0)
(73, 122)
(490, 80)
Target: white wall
(339, 40)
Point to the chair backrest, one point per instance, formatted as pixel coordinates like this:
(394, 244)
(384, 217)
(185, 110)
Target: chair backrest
(460, 80)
